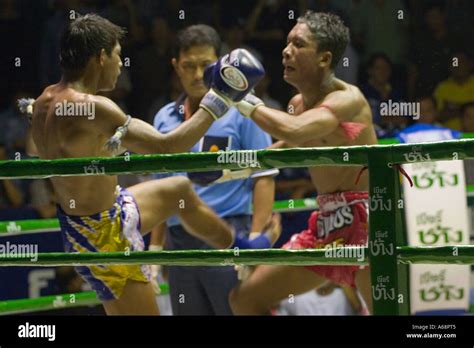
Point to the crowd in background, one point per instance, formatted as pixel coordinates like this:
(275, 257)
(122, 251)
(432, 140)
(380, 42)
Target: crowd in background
(410, 50)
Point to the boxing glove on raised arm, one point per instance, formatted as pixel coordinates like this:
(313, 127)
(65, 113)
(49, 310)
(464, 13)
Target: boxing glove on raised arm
(230, 79)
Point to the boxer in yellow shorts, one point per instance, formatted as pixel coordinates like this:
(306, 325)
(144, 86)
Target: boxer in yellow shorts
(94, 218)
(117, 228)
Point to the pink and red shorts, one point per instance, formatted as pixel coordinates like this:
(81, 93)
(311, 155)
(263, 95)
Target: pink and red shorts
(342, 219)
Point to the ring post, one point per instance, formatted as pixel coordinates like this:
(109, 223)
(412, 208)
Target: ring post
(401, 238)
(389, 293)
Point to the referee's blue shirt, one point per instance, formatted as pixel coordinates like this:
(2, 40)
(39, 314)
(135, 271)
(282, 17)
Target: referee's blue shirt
(233, 131)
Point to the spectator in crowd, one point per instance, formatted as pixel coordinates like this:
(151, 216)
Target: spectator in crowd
(467, 116)
(428, 111)
(13, 193)
(14, 128)
(430, 52)
(456, 90)
(378, 89)
(381, 26)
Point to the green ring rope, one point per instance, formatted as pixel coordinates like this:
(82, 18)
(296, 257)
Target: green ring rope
(205, 161)
(306, 257)
(44, 303)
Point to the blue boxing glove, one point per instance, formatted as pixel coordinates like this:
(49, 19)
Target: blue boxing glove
(234, 75)
(209, 74)
(261, 242)
(271, 232)
(230, 79)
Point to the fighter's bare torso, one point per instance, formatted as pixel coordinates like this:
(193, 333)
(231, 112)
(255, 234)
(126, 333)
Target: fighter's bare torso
(329, 179)
(69, 137)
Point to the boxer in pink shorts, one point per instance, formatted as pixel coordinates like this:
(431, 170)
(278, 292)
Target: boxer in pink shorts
(341, 220)
(327, 112)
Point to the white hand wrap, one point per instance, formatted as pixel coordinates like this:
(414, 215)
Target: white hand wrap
(215, 104)
(248, 105)
(114, 143)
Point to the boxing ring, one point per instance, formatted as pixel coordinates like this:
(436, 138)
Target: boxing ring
(386, 253)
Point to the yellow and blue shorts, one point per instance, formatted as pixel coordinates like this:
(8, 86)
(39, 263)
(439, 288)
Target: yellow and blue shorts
(116, 229)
